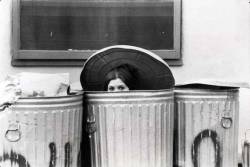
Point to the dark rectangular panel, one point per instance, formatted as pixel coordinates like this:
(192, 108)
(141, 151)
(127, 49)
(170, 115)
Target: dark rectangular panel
(46, 26)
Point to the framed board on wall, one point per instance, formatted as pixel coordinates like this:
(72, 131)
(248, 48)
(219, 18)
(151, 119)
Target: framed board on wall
(67, 32)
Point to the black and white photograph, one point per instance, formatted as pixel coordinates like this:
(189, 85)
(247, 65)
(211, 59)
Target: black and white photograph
(125, 83)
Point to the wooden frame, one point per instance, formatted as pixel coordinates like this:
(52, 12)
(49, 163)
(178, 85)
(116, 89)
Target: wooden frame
(77, 57)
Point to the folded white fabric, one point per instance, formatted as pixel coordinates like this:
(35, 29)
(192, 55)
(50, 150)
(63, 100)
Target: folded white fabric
(41, 84)
(32, 85)
(10, 92)
(75, 87)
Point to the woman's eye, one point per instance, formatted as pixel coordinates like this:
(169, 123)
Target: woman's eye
(121, 88)
(111, 88)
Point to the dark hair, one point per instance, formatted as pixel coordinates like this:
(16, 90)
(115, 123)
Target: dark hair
(126, 73)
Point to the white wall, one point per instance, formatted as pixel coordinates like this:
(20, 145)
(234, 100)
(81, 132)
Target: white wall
(215, 40)
(215, 44)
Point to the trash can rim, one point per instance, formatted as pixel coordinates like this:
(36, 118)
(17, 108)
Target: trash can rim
(203, 90)
(80, 93)
(129, 92)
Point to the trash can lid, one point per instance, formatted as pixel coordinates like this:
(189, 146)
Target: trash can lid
(153, 73)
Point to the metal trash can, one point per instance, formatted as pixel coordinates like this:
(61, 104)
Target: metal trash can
(246, 149)
(42, 132)
(246, 154)
(206, 126)
(130, 129)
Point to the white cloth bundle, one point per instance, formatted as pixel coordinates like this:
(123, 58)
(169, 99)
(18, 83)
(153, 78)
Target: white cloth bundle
(32, 85)
(40, 84)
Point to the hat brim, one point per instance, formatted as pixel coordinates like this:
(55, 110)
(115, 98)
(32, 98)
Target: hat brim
(153, 72)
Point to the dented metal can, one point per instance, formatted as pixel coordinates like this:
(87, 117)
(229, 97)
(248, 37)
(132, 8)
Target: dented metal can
(246, 154)
(42, 132)
(206, 127)
(131, 129)
(246, 149)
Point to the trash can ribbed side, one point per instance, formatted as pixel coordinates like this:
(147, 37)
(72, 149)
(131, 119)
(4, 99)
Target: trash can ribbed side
(206, 127)
(42, 132)
(131, 129)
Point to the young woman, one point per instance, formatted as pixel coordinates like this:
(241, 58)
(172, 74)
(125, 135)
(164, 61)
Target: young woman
(121, 78)
(123, 67)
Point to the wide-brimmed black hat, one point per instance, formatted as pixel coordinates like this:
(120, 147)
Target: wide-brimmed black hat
(153, 73)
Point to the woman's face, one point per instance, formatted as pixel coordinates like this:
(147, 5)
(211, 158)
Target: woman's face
(116, 85)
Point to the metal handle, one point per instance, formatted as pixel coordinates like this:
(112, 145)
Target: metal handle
(226, 122)
(13, 134)
(91, 123)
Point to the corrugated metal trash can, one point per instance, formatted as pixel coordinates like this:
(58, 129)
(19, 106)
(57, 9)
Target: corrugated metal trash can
(246, 149)
(42, 132)
(206, 126)
(131, 129)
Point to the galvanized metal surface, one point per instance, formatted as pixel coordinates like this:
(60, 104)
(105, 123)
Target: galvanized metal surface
(246, 154)
(246, 149)
(206, 127)
(133, 129)
(41, 132)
